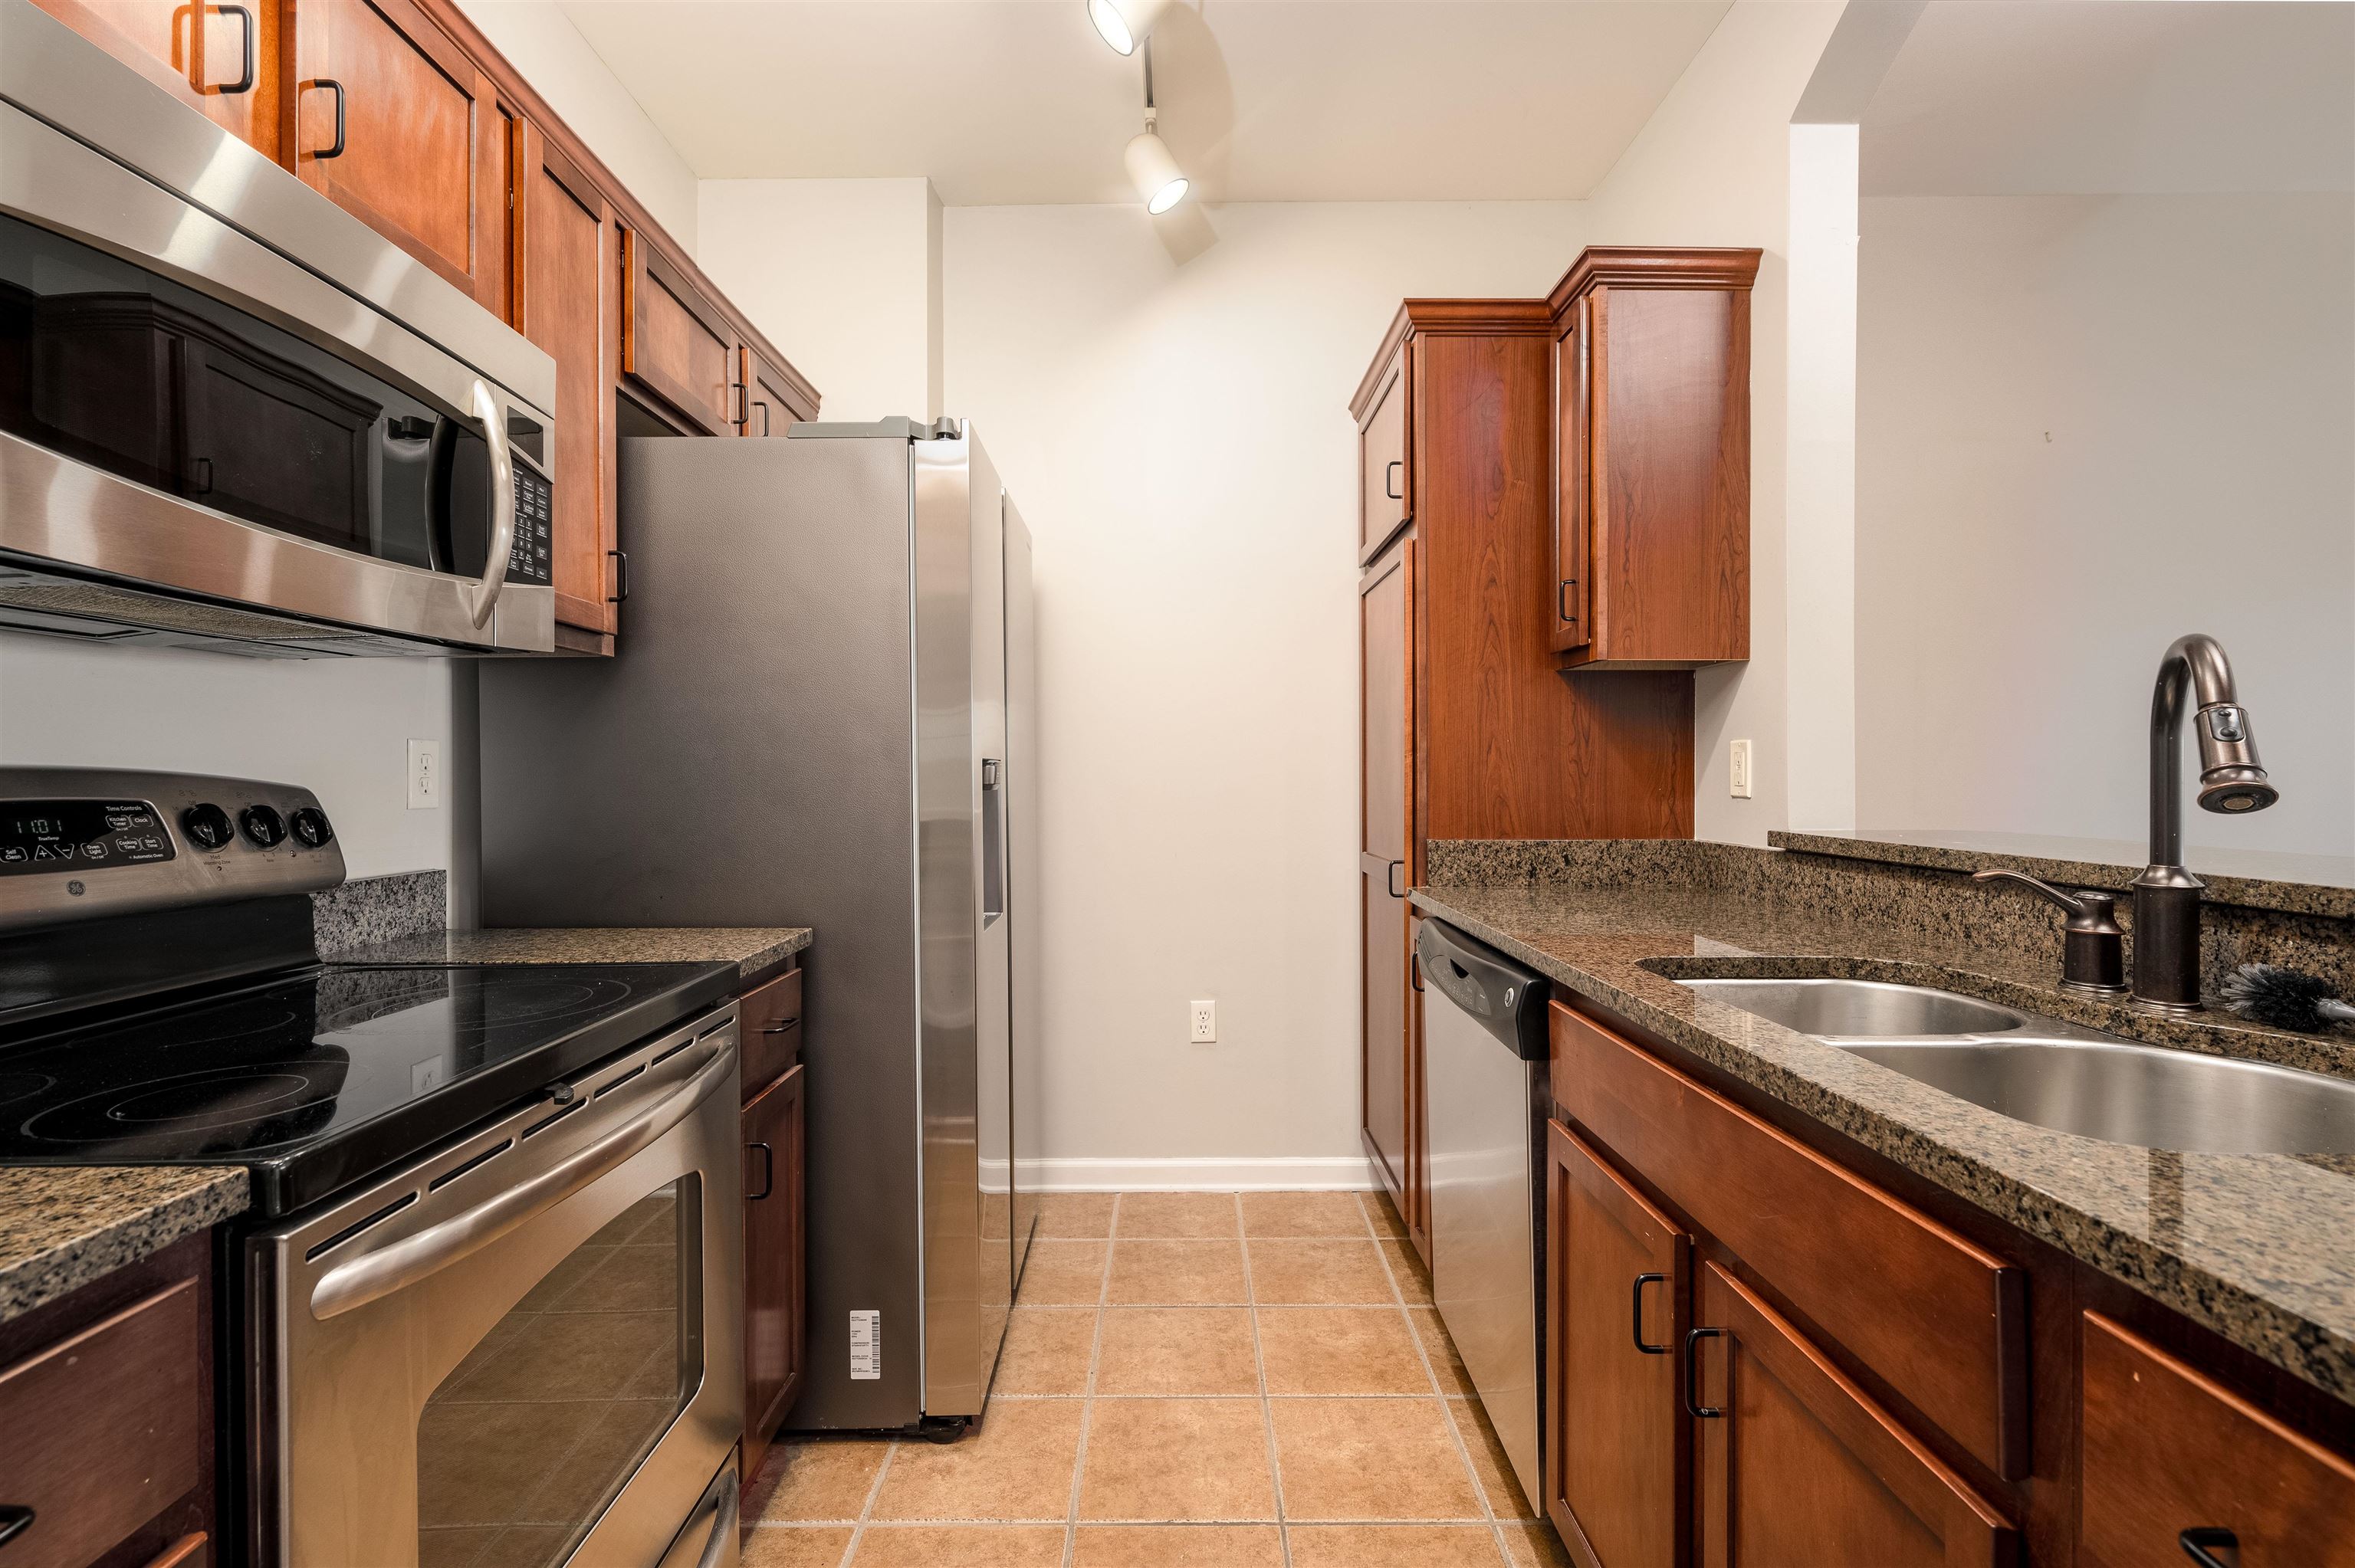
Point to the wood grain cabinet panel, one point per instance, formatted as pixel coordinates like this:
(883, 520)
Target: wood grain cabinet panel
(2167, 1450)
(775, 1285)
(774, 394)
(771, 1026)
(104, 1429)
(199, 54)
(567, 301)
(1617, 1453)
(1385, 484)
(1797, 1468)
(397, 126)
(1938, 1319)
(676, 344)
(1386, 648)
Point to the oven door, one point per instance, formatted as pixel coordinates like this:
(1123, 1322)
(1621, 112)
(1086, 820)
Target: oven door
(218, 387)
(523, 1350)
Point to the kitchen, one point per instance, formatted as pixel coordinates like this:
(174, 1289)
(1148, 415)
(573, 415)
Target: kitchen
(717, 881)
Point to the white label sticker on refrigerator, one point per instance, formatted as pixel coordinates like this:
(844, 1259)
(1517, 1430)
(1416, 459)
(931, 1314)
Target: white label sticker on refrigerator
(867, 1346)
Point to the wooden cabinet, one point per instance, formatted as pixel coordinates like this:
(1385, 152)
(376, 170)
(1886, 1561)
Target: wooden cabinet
(567, 301)
(1386, 650)
(106, 1399)
(1616, 1451)
(773, 390)
(1650, 387)
(2171, 1460)
(221, 61)
(676, 345)
(775, 1239)
(399, 128)
(1796, 1466)
(1486, 739)
(1384, 481)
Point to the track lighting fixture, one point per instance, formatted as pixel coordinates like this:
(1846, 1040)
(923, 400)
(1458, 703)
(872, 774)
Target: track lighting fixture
(1152, 169)
(1125, 24)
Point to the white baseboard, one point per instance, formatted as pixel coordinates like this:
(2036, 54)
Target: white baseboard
(1342, 1173)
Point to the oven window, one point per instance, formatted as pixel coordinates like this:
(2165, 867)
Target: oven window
(523, 1446)
(112, 364)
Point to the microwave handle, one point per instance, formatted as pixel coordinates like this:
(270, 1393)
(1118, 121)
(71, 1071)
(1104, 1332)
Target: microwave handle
(372, 1276)
(503, 503)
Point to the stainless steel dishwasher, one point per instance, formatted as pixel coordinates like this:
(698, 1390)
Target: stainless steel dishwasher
(1483, 1054)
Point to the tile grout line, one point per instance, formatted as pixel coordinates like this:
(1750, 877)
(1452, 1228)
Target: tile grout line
(1088, 1394)
(867, 1509)
(1446, 1410)
(1266, 1405)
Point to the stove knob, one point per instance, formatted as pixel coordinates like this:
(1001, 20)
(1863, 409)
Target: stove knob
(310, 826)
(207, 826)
(263, 825)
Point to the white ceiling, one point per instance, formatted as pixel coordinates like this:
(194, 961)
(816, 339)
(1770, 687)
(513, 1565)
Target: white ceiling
(2066, 96)
(1018, 101)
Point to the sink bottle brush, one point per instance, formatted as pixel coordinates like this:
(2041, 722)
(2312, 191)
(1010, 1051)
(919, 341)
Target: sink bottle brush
(2283, 998)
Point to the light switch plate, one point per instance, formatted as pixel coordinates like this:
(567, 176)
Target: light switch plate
(1740, 770)
(1203, 1018)
(424, 775)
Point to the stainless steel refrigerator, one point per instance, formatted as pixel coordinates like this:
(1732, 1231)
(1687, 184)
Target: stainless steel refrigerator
(821, 714)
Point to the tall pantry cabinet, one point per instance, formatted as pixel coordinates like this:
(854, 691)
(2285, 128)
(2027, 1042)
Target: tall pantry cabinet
(1469, 730)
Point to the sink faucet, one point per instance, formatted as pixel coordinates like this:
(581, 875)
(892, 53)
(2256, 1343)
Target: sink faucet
(2232, 781)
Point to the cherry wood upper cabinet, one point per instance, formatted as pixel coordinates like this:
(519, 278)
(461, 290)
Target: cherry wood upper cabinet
(775, 396)
(568, 300)
(676, 344)
(1651, 431)
(397, 126)
(1617, 1452)
(1385, 468)
(1797, 1468)
(222, 60)
(2168, 1451)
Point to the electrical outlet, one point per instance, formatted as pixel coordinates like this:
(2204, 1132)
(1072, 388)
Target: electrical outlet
(424, 775)
(1204, 1019)
(1741, 769)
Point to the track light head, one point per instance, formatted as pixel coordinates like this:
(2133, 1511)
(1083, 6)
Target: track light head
(1125, 24)
(1160, 182)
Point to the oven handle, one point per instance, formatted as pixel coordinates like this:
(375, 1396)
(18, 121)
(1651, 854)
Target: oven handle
(723, 1494)
(502, 502)
(355, 1282)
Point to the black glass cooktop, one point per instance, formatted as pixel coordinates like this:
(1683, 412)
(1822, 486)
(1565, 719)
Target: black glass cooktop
(316, 1081)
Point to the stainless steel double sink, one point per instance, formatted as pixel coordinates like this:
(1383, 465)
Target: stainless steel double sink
(2058, 1075)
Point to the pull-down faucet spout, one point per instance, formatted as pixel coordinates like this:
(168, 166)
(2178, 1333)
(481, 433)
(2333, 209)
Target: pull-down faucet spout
(2231, 782)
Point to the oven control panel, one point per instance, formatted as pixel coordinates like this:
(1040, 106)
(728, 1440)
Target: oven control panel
(529, 559)
(80, 842)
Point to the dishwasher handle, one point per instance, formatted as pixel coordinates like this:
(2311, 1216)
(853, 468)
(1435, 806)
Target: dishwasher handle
(1506, 998)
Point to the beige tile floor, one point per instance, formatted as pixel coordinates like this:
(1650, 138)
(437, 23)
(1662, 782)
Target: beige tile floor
(1190, 1380)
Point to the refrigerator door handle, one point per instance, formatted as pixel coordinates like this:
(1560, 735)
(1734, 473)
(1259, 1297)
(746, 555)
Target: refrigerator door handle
(993, 840)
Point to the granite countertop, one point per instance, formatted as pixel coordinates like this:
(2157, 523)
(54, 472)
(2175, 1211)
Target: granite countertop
(2261, 1248)
(63, 1227)
(751, 948)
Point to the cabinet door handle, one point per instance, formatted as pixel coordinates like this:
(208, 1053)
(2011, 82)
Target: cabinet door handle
(1415, 970)
(15, 1519)
(762, 404)
(768, 1172)
(1390, 879)
(621, 577)
(1563, 612)
(244, 83)
(2196, 1542)
(1387, 469)
(783, 1026)
(1692, 1374)
(1637, 1317)
(338, 89)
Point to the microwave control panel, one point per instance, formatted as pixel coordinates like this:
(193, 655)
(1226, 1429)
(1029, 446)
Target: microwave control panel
(530, 561)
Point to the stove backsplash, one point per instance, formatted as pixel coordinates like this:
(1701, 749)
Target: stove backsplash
(372, 909)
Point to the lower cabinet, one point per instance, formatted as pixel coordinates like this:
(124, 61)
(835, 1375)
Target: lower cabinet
(775, 1238)
(1797, 1466)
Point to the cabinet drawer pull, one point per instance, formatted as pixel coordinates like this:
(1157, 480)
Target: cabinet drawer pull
(244, 83)
(785, 1026)
(338, 89)
(1692, 1374)
(15, 1519)
(768, 1172)
(1637, 1316)
(2196, 1542)
(1388, 468)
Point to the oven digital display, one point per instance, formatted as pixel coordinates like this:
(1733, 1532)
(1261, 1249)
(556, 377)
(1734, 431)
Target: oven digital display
(38, 836)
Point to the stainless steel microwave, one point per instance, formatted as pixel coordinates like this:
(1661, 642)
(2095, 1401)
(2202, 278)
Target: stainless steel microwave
(231, 415)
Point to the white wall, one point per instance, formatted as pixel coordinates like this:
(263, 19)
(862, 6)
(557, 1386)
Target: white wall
(1713, 166)
(2086, 425)
(541, 43)
(1180, 440)
(844, 276)
(338, 726)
